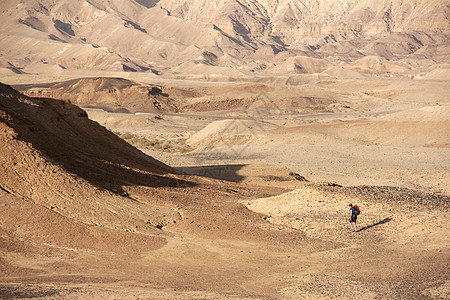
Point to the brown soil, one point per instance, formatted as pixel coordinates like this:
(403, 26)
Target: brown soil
(86, 215)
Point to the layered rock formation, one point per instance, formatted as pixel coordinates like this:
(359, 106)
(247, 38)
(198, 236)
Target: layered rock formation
(232, 38)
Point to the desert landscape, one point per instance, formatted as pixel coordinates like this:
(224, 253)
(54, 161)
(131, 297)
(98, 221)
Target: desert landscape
(210, 149)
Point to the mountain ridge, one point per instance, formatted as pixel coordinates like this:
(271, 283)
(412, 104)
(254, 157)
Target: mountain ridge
(246, 37)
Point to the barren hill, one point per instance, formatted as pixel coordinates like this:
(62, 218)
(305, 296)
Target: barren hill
(110, 94)
(53, 155)
(222, 39)
(75, 193)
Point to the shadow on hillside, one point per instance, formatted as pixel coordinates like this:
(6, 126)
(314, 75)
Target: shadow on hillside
(65, 136)
(221, 172)
(384, 221)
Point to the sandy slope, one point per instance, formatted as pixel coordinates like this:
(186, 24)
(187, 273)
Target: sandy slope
(85, 215)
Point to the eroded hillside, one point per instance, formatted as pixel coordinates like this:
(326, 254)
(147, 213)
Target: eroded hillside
(224, 39)
(86, 215)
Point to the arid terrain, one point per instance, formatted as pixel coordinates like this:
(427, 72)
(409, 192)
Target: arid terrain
(225, 39)
(209, 149)
(253, 204)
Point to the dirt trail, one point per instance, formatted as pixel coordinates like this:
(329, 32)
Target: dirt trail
(397, 253)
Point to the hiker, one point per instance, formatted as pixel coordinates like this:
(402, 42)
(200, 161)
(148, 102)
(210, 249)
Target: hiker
(353, 215)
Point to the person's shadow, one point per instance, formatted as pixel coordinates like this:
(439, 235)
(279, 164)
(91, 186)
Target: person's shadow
(384, 221)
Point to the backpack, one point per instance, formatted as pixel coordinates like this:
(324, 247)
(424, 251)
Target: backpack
(356, 209)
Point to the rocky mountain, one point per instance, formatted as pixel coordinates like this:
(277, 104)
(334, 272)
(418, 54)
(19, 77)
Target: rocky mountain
(224, 38)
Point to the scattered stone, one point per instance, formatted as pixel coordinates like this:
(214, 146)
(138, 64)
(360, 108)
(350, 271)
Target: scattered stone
(298, 177)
